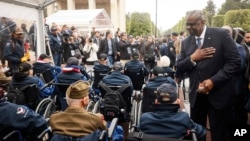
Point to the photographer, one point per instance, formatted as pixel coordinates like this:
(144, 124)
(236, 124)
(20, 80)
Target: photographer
(69, 47)
(125, 48)
(90, 52)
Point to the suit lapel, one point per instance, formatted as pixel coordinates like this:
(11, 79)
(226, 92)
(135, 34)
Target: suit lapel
(207, 38)
(192, 43)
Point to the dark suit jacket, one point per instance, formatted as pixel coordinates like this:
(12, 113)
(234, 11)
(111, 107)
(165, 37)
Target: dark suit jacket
(104, 47)
(220, 68)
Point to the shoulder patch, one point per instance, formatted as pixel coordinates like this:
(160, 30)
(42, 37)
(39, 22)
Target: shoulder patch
(20, 111)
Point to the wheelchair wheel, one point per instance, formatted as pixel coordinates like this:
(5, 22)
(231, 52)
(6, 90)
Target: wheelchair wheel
(139, 111)
(133, 115)
(96, 108)
(42, 106)
(90, 106)
(51, 108)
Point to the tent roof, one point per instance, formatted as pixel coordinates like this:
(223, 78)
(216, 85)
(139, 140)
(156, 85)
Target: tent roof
(93, 17)
(30, 3)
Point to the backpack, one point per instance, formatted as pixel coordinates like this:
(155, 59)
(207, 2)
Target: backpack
(17, 96)
(112, 104)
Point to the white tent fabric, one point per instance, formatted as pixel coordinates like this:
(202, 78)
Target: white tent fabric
(29, 10)
(83, 20)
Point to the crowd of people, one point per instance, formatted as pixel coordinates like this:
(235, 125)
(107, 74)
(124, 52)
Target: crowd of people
(216, 65)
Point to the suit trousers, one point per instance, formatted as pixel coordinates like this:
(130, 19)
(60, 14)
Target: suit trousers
(220, 120)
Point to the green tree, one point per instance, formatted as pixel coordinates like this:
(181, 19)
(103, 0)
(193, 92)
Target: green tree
(238, 18)
(218, 20)
(209, 11)
(128, 23)
(140, 24)
(234, 5)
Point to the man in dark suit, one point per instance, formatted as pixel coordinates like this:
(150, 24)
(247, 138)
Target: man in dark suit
(108, 46)
(210, 57)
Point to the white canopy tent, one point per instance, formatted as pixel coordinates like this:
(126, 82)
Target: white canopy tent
(83, 20)
(28, 10)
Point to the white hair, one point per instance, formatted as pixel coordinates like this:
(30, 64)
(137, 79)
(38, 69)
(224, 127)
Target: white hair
(164, 61)
(71, 101)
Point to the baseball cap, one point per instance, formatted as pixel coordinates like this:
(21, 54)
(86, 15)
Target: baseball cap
(18, 30)
(43, 56)
(72, 61)
(78, 90)
(166, 93)
(117, 66)
(23, 67)
(103, 57)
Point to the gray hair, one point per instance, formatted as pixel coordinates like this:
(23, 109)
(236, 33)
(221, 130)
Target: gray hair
(164, 61)
(196, 13)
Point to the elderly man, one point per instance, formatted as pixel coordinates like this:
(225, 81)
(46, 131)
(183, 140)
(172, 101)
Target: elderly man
(167, 121)
(75, 121)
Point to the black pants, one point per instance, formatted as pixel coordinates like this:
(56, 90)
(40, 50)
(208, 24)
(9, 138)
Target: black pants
(221, 121)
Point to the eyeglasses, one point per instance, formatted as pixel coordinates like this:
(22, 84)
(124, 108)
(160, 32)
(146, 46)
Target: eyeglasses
(193, 24)
(190, 24)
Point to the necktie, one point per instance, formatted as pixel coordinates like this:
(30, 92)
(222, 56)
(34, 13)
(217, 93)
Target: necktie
(198, 42)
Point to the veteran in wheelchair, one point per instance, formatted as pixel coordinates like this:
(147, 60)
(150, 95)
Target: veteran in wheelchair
(75, 121)
(117, 81)
(18, 122)
(166, 120)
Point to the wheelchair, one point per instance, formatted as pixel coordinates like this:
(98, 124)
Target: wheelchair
(126, 95)
(47, 107)
(16, 135)
(140, 136)
(30, 92)
(60, 92)
(98, 76)
(138, 79)
(46, 76)
(95, 136)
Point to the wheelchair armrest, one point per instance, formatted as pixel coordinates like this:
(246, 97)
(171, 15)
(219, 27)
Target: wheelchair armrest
(111, 128)
(43, 133)
(102, 136)
(193, 134)
(48, 84)
(13, 133)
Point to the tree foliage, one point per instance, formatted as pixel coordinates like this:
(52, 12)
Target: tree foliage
(234, 5)
(128, 22)
(238, 18)
(209, 11)
(140, 24)
(218, 21)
